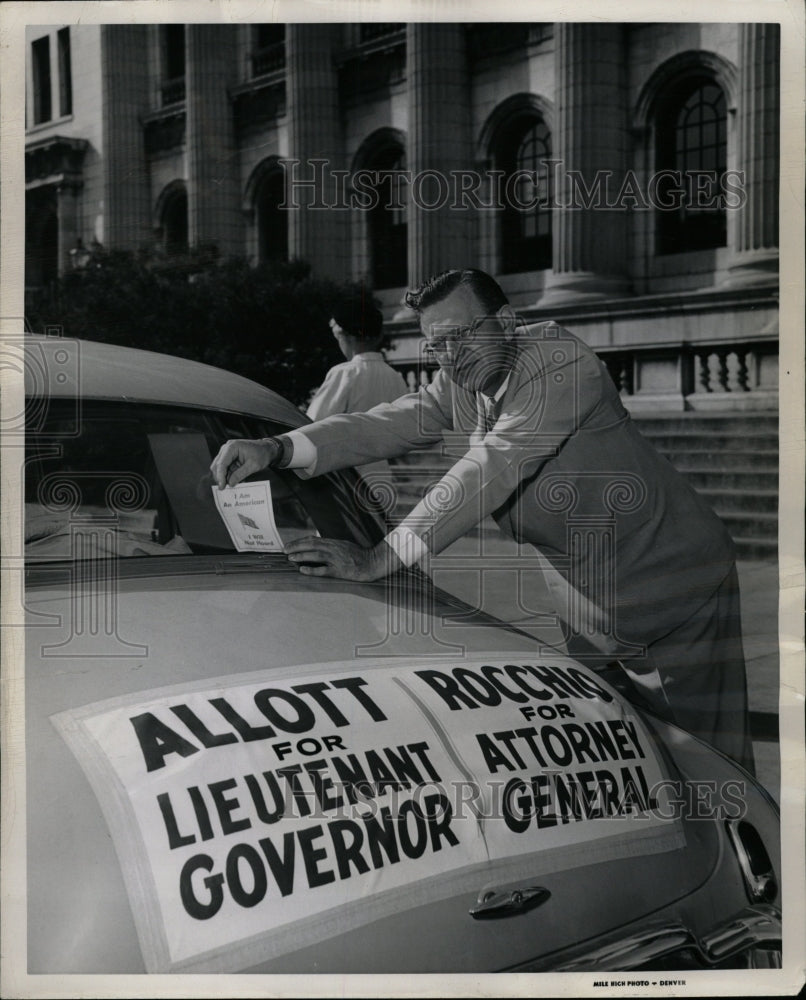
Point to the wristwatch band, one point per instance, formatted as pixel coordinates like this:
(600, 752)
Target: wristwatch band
(286, 452)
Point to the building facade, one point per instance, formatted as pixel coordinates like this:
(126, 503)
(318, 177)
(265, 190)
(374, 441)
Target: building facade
(619, 178)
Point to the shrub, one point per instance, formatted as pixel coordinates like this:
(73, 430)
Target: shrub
(269, 323)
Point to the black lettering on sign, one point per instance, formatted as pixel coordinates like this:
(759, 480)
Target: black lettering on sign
(347, 841)
(447, 688)
(158, 740)
(413, 837)
(323, 785)
(266, 813)
(357, 786)
(202, 815)
(438, 813)
(199, 730)
(226, 806)
(316, 689)
(292, 776)
(589, 684)
(312, 856)
(381, 837)
(494, 757)
(517, 674)
(344, 845)
(554, 798)
(354, 686)
(302, 719)
(245, 730)
(491, 674)
(201, 909)
(175, 838)
(282, 866)
(242, 895)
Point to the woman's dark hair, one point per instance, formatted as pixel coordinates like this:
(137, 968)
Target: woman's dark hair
(486, 289)
(359, 317)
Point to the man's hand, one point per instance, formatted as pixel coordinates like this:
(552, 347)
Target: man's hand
(344, 560)
(238, 459)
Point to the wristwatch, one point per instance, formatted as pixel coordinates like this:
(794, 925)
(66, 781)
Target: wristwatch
(286, 451)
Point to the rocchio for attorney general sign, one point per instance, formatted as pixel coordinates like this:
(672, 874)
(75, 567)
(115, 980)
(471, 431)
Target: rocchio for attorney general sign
(250, 812)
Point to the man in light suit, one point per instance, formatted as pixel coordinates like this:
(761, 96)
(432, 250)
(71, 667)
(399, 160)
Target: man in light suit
(543, 443)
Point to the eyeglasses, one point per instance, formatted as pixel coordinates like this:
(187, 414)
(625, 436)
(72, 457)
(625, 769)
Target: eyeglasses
(458, 334)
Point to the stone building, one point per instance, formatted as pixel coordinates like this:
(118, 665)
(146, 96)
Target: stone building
(619, 178)
(180, 135)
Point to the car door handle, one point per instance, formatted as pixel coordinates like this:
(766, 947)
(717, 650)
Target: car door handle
(510, 902)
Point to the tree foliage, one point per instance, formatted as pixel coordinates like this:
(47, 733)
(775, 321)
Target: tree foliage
(269, 323)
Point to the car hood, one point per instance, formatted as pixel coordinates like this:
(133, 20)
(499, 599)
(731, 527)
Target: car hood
(147, 744)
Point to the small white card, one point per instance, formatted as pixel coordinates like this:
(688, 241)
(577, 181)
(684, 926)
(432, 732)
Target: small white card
(247, 512)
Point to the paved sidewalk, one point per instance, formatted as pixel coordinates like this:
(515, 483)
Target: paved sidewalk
(457, 570)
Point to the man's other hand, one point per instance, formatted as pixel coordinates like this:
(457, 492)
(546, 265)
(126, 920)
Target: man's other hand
(345, 560)
(238, 459)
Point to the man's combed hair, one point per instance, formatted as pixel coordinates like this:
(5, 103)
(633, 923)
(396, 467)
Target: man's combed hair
(486, 289)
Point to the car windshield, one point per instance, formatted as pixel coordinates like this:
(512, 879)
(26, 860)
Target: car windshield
(133, 480)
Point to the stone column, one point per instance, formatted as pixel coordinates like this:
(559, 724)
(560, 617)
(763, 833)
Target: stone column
(125, 90)
(214, 211)
(590, 140)
(754, 226)
(439, 133)
(316, 233)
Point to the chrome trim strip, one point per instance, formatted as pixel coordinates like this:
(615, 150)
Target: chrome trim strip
(753, 926)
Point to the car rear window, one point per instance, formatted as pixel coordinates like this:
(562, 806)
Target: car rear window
(133, 480)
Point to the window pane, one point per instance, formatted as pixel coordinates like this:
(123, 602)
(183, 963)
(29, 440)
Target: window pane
(40, 51)
(175, 224)
(174, 51)
(65, 73)
(526, 217)
(136, 482)
(691, 136)
(388, 228)
(272, 222)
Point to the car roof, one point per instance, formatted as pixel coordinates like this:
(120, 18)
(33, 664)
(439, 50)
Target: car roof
(61, 367)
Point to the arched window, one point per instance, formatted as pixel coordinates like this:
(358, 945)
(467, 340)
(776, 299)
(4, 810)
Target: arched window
(387, 224)
(173, 220)
(522, 152)
(691, 160)
(41, 238)
(272, 222)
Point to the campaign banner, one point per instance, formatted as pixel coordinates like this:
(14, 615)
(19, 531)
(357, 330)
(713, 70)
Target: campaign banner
(261, 813)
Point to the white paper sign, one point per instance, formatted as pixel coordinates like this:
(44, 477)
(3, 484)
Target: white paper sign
(264, 813)
(249, 518)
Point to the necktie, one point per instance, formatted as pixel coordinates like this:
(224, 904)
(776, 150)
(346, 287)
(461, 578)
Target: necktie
(487, 414)
(490, 414)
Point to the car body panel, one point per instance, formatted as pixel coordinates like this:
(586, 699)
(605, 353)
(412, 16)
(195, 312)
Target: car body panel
(229, 622)
(98, 371)
(125, 630)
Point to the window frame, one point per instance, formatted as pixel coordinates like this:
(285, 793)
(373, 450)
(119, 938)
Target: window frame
(517, 252)
(335, 503)
(686, 229)
(42, 80)
(387, 235)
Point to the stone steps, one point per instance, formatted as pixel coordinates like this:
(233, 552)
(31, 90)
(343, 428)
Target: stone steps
(730, 459)
(716, 479)
(693, 459)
